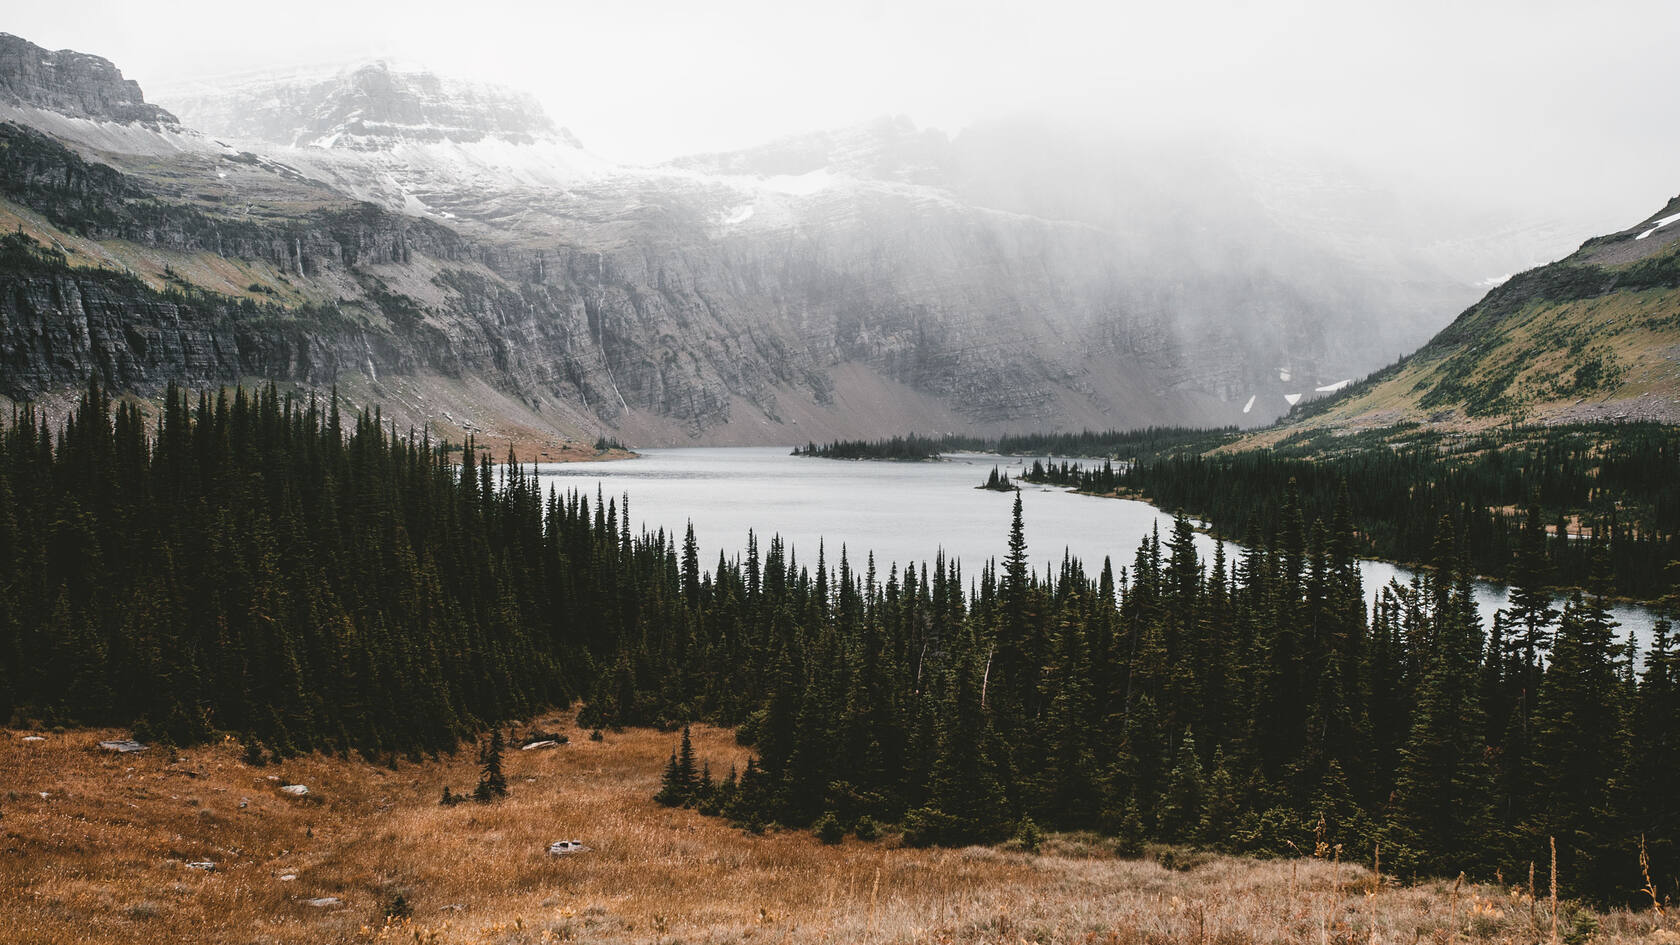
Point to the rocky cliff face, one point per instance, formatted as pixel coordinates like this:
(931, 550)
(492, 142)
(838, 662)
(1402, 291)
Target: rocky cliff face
(381, 225)
(73, 83)
(369, 108)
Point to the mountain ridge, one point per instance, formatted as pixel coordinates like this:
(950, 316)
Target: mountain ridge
(1592, 336)
(714, 299)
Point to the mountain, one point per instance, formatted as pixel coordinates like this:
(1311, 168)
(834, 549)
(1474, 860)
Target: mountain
(72, 83)
(1593, 336)
(449, 250)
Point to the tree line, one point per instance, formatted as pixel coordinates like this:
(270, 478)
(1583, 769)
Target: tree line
(912, 448)
(250, 565)
(254, 564)
(1603, 488)
(1131, 444)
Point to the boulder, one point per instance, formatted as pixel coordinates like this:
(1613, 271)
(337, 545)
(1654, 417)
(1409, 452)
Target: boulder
(205, 865)
(566, 848)
(545, 743)
(122, 746)
(295, 790)
(324, 902)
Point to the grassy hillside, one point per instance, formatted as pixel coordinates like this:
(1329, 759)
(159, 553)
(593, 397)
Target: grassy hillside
(1595, 336)
(98, 847)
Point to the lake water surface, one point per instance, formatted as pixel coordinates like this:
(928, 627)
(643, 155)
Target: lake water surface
(902, 512)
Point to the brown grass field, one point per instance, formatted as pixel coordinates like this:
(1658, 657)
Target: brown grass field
(94, 847)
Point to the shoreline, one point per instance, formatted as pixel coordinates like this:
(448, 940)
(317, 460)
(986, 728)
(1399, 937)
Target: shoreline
(1206, 528)
(540, 450)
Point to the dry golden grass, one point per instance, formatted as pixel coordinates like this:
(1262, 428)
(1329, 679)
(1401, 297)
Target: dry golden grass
(102, 857)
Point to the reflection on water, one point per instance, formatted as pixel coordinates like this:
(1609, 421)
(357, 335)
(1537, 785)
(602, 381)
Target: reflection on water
(902, 512)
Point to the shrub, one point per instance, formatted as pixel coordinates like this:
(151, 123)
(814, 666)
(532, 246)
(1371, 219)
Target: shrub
(1028, 835)
(926, 826)
(828, 829)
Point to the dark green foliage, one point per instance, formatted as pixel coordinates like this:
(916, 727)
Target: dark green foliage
(1128, 444)
(249, 565)
(681, 785)
(828, 829)
(253, 564)
(911, 448)
(492, 783)
(1028, 835)
(1621, 481)
(1250, 706)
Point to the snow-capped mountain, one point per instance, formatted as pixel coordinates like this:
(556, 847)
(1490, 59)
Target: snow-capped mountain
(369, 107)
(851, 282)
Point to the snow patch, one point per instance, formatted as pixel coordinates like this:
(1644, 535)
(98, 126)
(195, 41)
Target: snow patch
(1292, 398)
(1659, 225)
(1250, 405)
(800, 185)
(738, 215)
(1284, 375)
(1492, 282)
(1332, 388)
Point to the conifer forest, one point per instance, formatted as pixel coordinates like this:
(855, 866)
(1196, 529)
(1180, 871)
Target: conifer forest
(259, 565)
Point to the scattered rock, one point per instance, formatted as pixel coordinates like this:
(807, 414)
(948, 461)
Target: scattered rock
(244, 802)
(33, 738)
(453, 907)
(205, 865)
(122, 746)
(566, 848)
(545, 743)
(287, 877)
(325, 902)
(295, 790)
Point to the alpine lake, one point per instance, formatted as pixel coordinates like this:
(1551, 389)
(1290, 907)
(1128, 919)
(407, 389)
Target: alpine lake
(904, 512)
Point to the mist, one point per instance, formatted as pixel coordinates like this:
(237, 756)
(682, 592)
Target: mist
(1532, 105)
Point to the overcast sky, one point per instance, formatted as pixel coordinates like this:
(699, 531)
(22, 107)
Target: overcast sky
(1541, 101)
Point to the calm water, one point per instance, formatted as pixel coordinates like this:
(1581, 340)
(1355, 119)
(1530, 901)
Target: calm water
(900, 511)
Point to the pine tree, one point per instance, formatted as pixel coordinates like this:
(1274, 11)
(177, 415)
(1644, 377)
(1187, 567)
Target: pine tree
(1010, 678)
(492, 784)
(1222, 805)
(1442, 790)
(1580, 743)
(1655, 751)
(672, 792)
(1185, 802)
(687, 778)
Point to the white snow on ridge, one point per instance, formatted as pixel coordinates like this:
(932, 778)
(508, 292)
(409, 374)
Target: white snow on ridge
(740, 214)
(1659, 225)
(1492, 282)
(1332, 388)
(800, 185)
(1250, 405)
(1292, 398)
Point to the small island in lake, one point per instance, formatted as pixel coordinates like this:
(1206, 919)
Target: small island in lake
(999, 481)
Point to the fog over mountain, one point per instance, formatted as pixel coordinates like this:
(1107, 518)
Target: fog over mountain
(760, 224)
